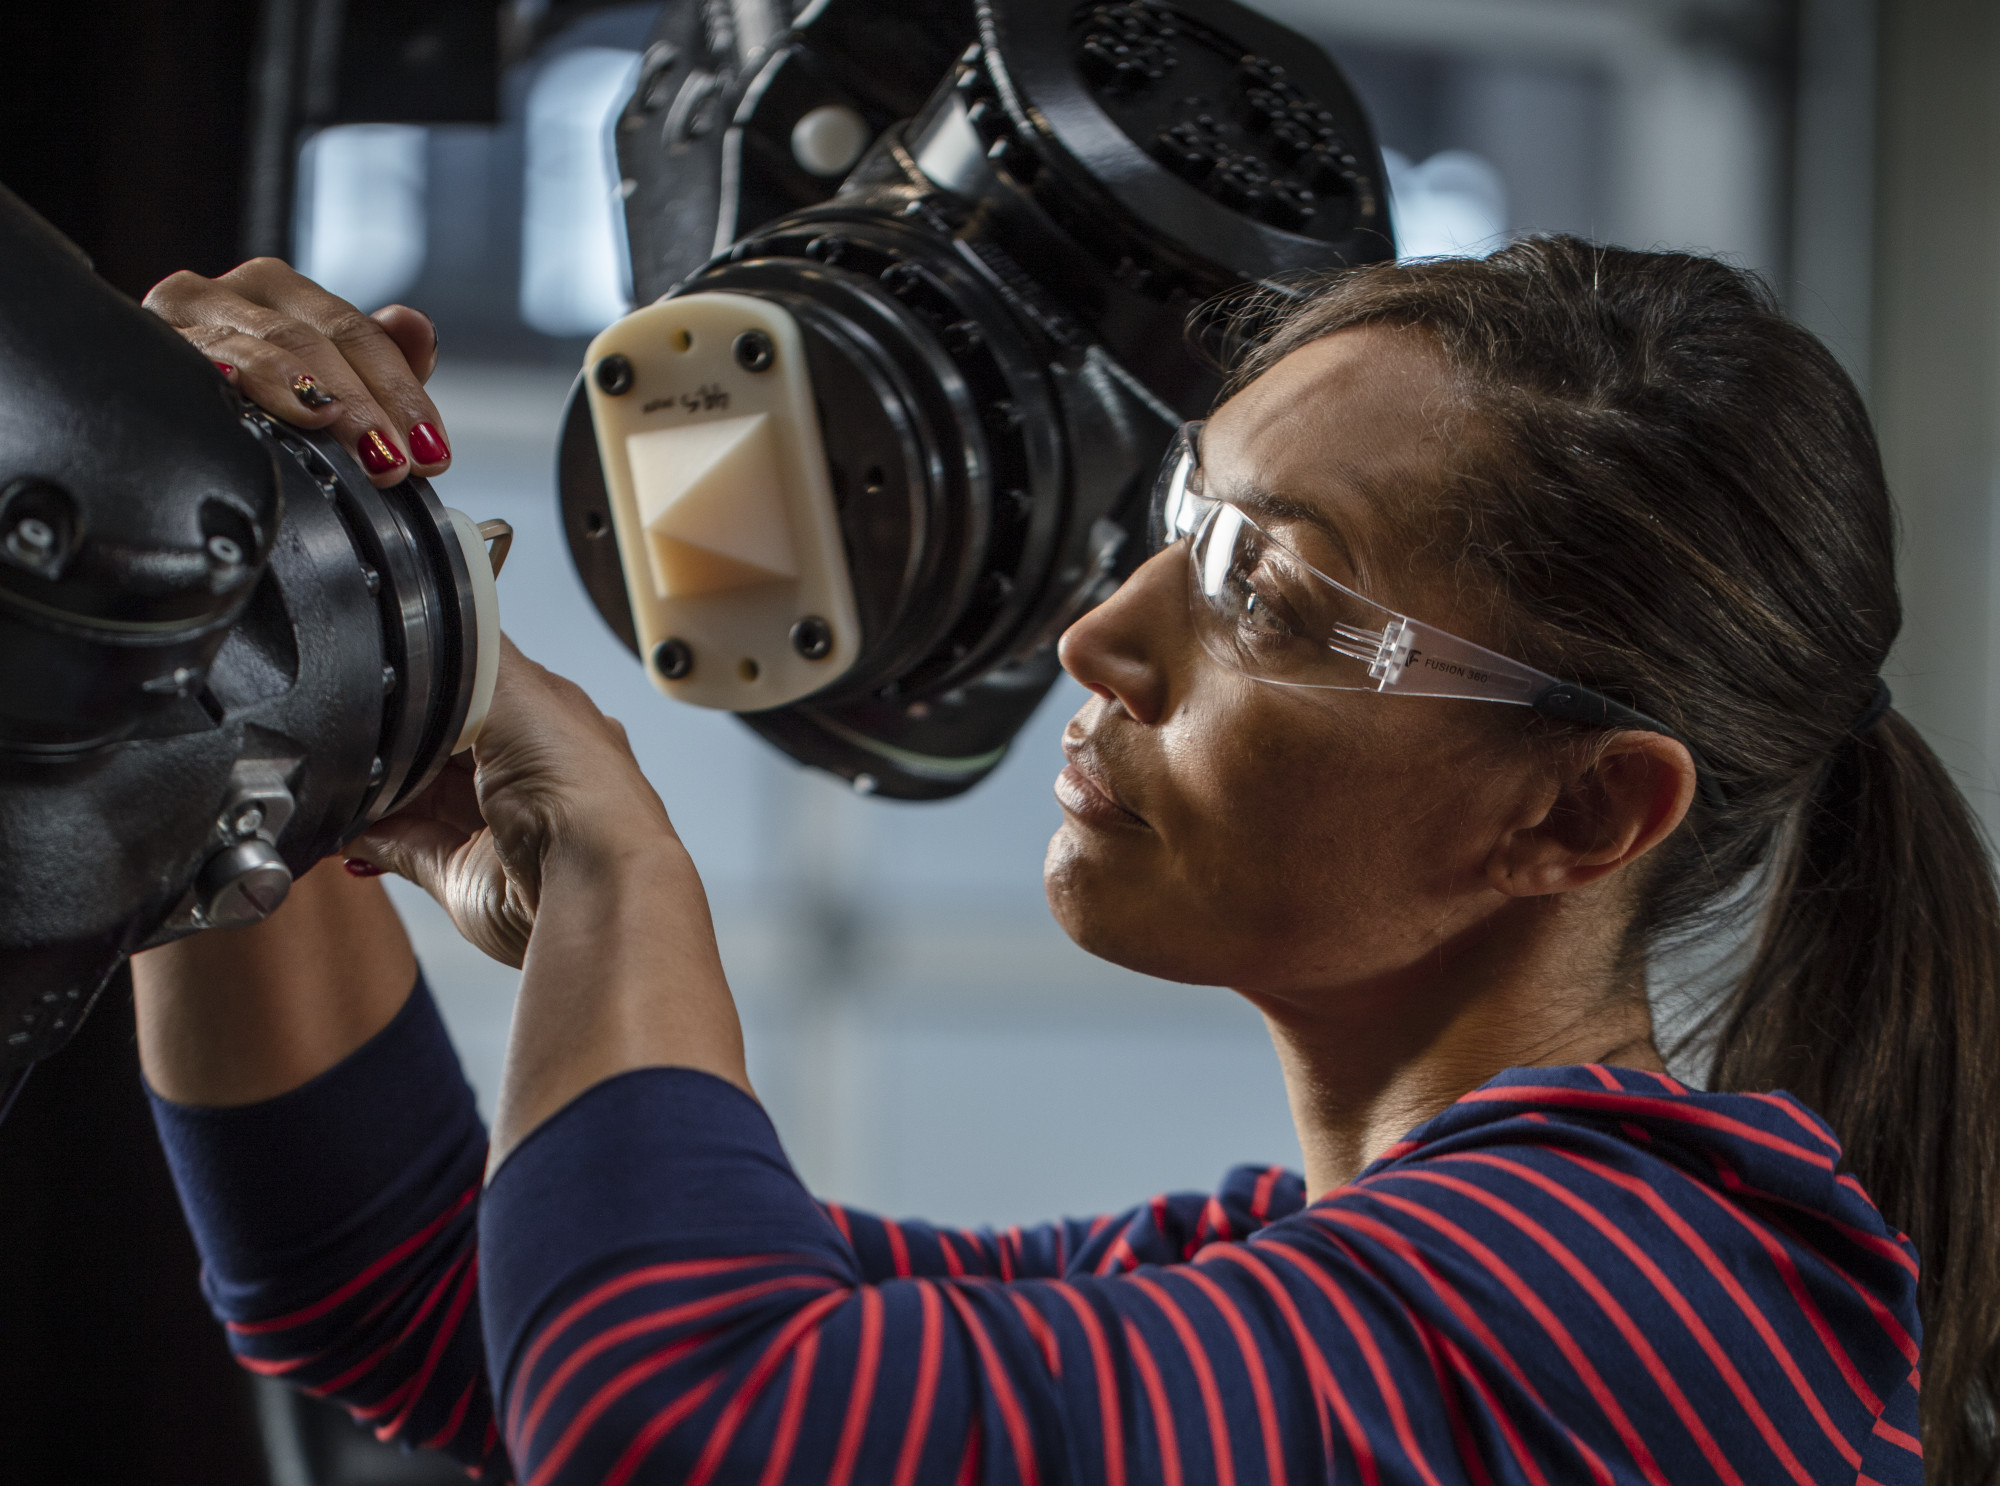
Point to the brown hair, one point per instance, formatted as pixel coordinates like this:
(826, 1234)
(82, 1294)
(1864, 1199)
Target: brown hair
(1687, 512)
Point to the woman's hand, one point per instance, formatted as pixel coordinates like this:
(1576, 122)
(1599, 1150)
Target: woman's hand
(553, 853)
(550, 777)
(313, 359)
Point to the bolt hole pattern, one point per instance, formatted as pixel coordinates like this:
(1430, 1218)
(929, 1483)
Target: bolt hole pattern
(1242, 130)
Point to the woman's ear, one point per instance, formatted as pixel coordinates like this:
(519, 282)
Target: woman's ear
(1611, 807)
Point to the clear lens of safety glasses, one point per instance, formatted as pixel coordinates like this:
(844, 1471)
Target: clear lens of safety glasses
(1266, 612)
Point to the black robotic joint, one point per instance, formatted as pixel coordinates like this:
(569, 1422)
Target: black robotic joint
(993, 311)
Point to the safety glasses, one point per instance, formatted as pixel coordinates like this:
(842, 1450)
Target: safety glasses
(1265, 612)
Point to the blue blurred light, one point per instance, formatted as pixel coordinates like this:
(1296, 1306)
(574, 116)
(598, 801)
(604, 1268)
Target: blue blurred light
(576, 276)
(1453, 205)
(360, 226)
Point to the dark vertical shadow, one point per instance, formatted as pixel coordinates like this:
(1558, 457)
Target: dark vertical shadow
(122, 121)
(111, 1369)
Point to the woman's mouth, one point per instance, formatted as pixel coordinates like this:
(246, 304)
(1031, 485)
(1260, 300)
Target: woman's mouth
(1084, 796)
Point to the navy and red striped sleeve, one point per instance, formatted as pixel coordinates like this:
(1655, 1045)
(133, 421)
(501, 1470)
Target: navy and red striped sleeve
(1573, 1276)
(337, 1226)
(1170, 1227)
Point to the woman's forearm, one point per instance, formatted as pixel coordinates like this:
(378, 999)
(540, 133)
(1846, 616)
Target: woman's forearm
(233, 1016)
(622, 972)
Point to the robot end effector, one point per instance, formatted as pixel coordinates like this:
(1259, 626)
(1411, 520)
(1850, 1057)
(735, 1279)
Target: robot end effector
(223, 652)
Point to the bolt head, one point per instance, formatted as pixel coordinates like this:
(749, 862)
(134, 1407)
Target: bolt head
(614, 375)
(225, 550)
(31, 538)
(242, 884)
(673, 659)
(754, 351)
(248, 820)
(812, 637)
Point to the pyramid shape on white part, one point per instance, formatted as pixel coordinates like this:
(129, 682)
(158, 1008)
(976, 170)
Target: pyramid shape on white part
(712, 503)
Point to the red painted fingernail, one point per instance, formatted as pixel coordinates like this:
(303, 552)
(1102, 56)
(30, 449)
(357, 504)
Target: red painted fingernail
(311, 393)
(378, 454)
(225, 368)
(427, 443)
(358, 868)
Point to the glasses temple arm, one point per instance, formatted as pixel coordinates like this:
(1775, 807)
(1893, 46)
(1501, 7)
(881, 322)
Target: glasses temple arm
(1571, 703)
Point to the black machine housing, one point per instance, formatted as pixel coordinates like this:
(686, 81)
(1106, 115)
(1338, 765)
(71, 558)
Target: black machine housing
(223, 652)
(996, 304)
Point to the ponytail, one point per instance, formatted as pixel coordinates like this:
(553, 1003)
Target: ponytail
(1874, 996)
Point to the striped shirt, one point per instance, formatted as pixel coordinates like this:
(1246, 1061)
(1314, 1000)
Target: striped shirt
(1578, 1274)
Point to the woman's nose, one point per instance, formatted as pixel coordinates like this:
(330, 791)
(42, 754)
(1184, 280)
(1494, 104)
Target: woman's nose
(1124, 648)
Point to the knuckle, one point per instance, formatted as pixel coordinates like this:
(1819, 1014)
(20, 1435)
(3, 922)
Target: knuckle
(259, 270)
(348, 326)
(288, 335)
(164, 297)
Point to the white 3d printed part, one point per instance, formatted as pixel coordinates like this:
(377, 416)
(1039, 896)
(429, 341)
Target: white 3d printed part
(486, 619)
(722, 502)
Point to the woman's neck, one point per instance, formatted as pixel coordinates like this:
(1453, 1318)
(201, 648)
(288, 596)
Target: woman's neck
(1364, 1065)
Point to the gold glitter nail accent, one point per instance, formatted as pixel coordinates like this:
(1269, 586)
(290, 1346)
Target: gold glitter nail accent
(311, 393)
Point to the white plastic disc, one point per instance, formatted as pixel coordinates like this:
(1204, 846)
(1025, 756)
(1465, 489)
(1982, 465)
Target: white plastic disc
(486, 619)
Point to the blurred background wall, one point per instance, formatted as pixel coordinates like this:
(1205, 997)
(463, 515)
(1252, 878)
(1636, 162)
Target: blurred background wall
(927, 1040)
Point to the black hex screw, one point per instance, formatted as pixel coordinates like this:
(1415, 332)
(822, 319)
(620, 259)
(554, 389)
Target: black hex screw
(754, 351)
(812, 637)
(673, 659)
(614, 376)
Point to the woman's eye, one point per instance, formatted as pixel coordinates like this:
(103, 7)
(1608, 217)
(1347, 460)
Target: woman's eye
(1262, 609)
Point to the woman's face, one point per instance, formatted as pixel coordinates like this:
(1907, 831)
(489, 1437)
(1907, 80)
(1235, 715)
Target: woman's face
(1224, 831)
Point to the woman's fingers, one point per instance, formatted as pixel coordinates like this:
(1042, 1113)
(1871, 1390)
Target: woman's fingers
(414, 334)
(461, 873)
(378, 406)
(288, 385)
(277, 381)
(412, 847)
(400, 416)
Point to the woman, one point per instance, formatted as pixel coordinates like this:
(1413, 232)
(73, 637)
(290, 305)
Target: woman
(1521, 1252)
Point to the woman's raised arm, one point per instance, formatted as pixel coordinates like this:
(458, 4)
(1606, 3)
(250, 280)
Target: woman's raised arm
(554, 853)
(235, 1016)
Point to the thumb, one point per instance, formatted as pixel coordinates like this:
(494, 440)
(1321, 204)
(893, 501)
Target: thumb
(412, 847)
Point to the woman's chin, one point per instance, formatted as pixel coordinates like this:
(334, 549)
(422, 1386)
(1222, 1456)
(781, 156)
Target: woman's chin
(1107, 909)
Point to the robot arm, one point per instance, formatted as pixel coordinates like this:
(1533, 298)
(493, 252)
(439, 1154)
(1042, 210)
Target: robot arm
(223, 652)
(924, 274)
